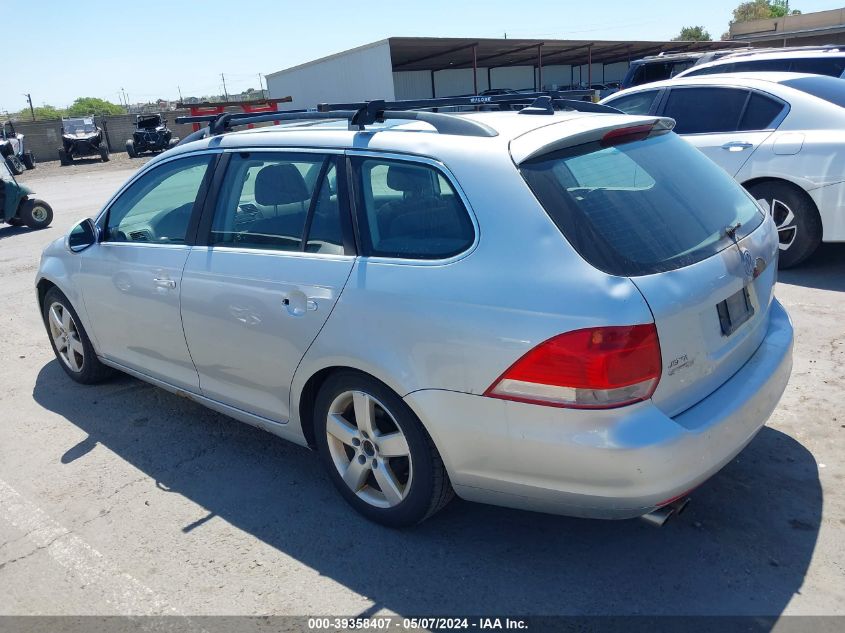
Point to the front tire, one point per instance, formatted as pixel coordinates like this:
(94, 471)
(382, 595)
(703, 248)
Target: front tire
(104, 153)
(377, 452)
(796, 217)
(28, 160)
(70, 342)
(130, 148)
(36, 214)
(64, 158)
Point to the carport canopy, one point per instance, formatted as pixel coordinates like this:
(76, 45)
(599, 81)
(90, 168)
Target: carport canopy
(440, 53)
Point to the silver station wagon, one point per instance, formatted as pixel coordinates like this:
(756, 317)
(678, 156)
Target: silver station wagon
(560, 308)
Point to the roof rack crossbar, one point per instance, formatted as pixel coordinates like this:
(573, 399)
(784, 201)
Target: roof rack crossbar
(358, 119)
(469, 100)
(366, 113)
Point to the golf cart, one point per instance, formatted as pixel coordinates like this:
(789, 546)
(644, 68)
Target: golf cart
(150, 135)
(16, 206)
(13, 151)
(81, 137)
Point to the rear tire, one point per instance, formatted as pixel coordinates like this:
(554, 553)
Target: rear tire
(15, 165)
(36, 214)
(28, 160)
(70, 342)
(797, 219)
(130, 148)
(64, 157)
(104, 153)
(397, 477)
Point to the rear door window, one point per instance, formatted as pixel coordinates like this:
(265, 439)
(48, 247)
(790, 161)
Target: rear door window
(409, 210)
(761, 112)
(705, 110)
(641, 207)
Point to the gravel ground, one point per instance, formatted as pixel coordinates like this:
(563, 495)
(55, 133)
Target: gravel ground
(51, 169)
(122, 498)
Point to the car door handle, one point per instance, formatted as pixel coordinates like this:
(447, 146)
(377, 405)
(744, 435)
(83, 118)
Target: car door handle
(294, 308)
(737, 146)
(164, 283)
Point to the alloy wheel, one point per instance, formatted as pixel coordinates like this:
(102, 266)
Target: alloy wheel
(66, 337)
(785, 222)
(368, 449)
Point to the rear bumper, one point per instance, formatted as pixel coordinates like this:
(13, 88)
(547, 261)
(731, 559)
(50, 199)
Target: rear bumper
(830, 201)
(612, 464)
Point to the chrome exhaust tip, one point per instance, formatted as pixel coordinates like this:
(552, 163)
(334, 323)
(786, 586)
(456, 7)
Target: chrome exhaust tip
(659, 516)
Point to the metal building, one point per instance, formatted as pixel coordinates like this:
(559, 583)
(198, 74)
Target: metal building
(804, 29)
(424, 67)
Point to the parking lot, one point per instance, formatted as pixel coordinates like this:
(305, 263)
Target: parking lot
(122, 498)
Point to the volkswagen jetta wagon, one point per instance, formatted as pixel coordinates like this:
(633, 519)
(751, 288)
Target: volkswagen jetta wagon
(563, 311)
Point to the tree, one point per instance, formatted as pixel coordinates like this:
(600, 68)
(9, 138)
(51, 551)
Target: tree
(42, 113)
(85, 106)
(761, 10)
(693, 34)
(780, 8)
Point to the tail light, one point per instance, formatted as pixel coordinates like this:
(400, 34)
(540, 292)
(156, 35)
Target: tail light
(594, 368)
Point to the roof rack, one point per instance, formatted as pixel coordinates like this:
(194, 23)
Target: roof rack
(365, 113)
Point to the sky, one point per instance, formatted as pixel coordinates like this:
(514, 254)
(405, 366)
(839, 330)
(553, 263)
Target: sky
(58, 50)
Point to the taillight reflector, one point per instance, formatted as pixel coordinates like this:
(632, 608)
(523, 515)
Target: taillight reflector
(593, 368)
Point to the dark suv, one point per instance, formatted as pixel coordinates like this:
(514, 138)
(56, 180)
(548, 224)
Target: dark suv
(658, 68)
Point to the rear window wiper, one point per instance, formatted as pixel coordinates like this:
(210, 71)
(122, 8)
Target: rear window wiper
(731, 229)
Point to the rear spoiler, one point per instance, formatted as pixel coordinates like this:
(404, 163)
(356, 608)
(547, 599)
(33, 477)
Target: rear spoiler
(572, 132)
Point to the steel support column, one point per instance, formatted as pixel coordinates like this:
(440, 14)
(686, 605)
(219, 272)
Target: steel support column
(539, 66)
(475, 69)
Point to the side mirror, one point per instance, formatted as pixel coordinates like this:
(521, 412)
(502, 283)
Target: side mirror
(82, 236)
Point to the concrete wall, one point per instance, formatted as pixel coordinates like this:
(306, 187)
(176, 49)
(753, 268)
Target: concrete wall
(45, 137)
(361, 74)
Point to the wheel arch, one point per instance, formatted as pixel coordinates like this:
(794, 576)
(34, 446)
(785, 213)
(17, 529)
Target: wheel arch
(52, 276)
(304, 398)
(42, 288)
(762, 180)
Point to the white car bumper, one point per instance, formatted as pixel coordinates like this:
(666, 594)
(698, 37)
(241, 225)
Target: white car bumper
(830, 201)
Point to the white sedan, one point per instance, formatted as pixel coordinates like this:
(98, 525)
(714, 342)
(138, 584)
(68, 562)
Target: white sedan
(781, 135)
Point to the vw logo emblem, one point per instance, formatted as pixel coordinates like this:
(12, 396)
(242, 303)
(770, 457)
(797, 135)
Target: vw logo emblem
(747, 262)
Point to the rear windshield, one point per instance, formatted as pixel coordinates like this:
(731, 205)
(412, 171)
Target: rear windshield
(641, 207)
(658, 71)
(827, 88)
